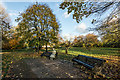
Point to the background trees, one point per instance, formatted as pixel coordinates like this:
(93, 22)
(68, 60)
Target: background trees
(67, 44)
(4, 28)
(89, 40)
(110, 33)
(38, 26)
(78, 41)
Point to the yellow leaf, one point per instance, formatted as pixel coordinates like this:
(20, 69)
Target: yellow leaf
(71, 76)
(106, 61)
(89, 77)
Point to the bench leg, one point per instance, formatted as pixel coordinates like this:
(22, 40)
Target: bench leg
(42, 54)
(49, 57)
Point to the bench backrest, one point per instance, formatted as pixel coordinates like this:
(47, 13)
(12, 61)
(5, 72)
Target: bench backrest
(90, 60)
(47, 53)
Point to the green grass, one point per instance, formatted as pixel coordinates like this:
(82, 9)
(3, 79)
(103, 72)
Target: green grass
(102, 53)
(65, 56)
(93, 51)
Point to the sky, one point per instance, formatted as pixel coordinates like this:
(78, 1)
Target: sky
(69, 27)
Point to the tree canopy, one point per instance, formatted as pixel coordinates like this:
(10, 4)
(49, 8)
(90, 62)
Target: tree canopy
(38, 25)
(4, 27)
(85, 9)
(110, 33)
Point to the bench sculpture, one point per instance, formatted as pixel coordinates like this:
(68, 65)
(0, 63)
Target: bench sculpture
(50, 55)
(89, 62)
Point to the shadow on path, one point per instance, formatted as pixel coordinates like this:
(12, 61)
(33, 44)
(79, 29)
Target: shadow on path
(45, 68)
(21, 70)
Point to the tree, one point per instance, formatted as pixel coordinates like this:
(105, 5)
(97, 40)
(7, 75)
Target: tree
(57, 41)
(79, 41)
(51, 33)
(15, 40)
(85, 9)
(38, 25)
(75, 41)
(4, 27)
(90, 40)
(67, 43)
(110, 33)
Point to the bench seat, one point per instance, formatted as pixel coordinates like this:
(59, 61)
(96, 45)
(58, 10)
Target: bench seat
(80, 62)
(89, 62)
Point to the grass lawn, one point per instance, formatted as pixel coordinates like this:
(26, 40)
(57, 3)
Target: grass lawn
(94, 52)
(12, 56)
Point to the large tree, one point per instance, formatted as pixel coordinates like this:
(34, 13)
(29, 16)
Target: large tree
(38, 25)
(85, 9)
(4, 27)
(111, 33)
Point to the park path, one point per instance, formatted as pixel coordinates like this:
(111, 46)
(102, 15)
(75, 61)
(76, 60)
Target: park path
(45, 68)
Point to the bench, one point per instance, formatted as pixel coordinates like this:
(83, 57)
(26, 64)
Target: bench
(89, 62)
(48, 54)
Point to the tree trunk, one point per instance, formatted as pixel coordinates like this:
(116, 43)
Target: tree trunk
(46, 48)
(39, 45)
(38, 48)
(66, 50)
